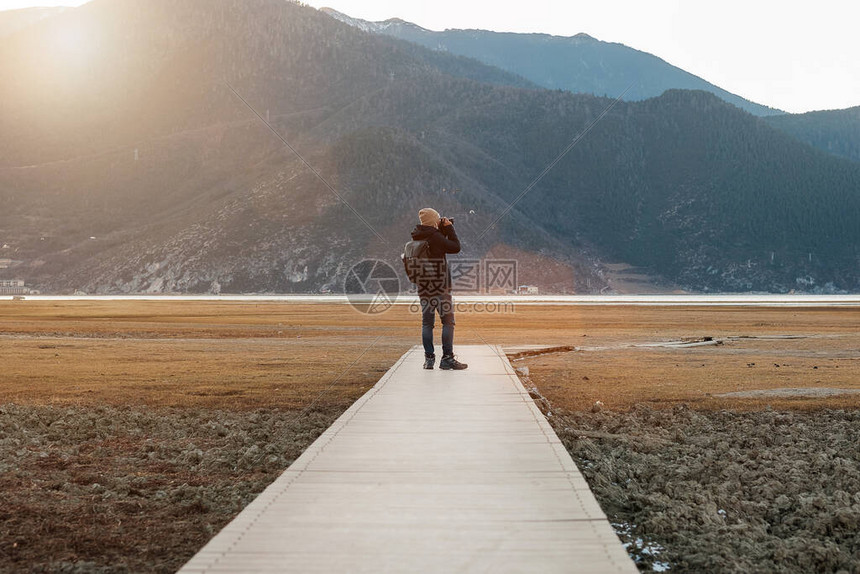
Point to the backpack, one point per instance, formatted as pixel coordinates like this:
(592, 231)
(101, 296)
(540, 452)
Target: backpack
(416, 260)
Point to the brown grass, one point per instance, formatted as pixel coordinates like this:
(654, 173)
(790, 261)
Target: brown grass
(610, 366)
(230, 356)
(256, 355)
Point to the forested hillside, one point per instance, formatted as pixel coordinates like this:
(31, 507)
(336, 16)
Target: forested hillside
(834, 131)
(579, 64)
(684, 184)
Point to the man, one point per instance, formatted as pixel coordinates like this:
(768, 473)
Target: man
(434, 289)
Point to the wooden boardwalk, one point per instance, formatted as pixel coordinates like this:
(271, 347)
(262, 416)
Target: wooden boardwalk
(430, 471)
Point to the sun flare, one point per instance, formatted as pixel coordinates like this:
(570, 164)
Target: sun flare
(73, 46)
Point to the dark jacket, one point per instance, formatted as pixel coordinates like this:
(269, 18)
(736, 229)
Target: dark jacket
(442, 241)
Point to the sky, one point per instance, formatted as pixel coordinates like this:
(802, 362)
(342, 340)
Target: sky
(797, 56)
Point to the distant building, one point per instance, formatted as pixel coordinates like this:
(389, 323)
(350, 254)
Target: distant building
(5, 263)
(527, 290)
(13, 287)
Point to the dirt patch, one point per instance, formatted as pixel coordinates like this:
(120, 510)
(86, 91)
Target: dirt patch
(109, 489)
(685, 344)
(546, 273)
(790, 393)
(624, 278)
(518, 355)
(748, 373)
(771, 491)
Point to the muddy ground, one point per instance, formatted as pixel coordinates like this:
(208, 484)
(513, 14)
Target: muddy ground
(115, 490)
(723, 491)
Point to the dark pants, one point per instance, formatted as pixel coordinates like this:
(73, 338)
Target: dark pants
(444, 305)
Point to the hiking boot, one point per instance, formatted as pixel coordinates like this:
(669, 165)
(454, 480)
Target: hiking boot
(449, 363)
(428, 362)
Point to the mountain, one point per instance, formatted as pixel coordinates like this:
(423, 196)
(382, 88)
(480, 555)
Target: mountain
(834, 131)
(129, 165)
(579, 64)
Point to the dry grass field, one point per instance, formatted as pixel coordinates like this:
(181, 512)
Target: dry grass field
(640, 356)
(258, 355)
(208, 355)
(130, 432)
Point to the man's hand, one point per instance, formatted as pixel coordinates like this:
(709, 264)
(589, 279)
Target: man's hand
(444, 222)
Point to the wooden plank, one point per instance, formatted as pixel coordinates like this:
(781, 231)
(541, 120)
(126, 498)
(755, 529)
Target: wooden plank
(431, 471)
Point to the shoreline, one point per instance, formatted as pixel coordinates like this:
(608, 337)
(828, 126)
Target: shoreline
(717, 300)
